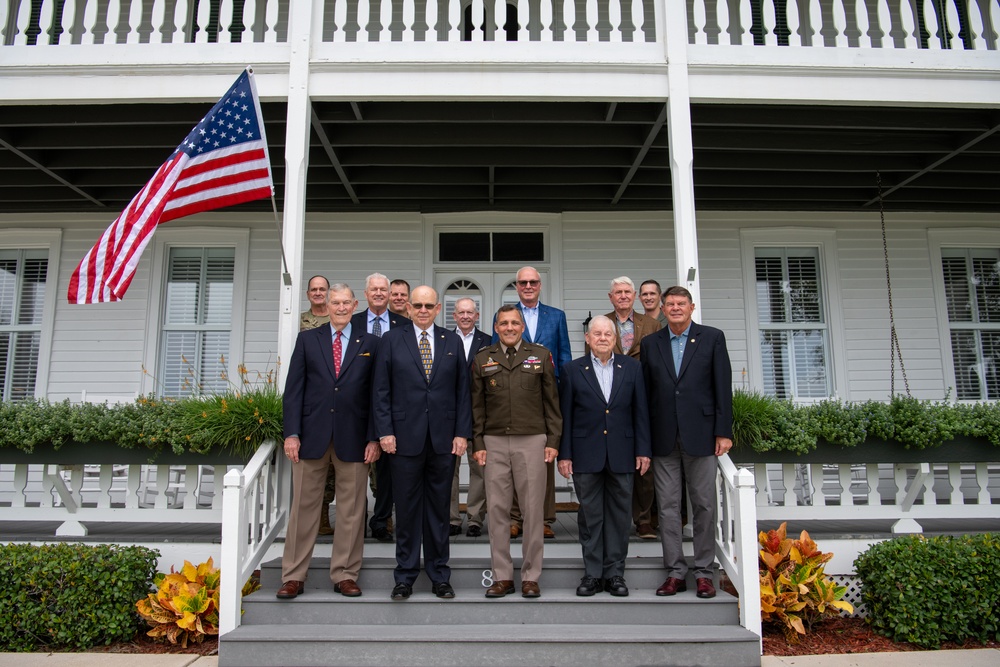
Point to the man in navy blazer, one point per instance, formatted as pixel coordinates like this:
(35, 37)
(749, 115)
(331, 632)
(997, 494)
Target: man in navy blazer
(689, 381)
(547, 327)
(423, 417)
(605, 440)
(466, 315)
(327, 420)
(376, 320)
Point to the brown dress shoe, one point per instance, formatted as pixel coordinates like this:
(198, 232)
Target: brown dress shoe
(645, 531)
(500, 588)
(547, 531)
(529, 589)
(515, 530)
(672, 586)
(705, 588)
(291, 589)
(348, 588)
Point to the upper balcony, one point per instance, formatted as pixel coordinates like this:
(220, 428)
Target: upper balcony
(759, 50)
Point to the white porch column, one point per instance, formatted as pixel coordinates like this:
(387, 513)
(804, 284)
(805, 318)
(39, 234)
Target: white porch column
(674, 29)
(300, 26)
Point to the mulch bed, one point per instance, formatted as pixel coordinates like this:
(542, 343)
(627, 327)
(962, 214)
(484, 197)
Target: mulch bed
(845, 635)
(145, 645)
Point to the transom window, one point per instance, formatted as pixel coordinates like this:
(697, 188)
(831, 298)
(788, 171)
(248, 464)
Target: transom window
(491, 247)
(197, 320)
(794, 335)
(22, 303)
(972, 296)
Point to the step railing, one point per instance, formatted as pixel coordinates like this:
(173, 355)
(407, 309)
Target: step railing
(736, 538)
(254, 511)
(877, 24)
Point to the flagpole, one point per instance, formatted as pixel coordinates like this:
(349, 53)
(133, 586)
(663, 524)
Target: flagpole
(286, 277)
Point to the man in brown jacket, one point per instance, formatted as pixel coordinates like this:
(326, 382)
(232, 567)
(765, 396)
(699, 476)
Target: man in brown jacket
(516, 429)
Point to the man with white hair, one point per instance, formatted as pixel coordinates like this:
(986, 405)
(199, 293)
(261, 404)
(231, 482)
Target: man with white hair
(630, 328)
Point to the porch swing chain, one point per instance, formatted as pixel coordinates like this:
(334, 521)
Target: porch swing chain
(894, 347)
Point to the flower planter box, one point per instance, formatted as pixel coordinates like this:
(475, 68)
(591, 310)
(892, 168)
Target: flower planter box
(961, 449)
(76, 453)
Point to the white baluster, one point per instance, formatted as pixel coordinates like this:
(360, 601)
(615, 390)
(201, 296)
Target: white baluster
(250, 26)
(432, 14)
(409, 17)
(788, 498)
(592, 18)
(908, 19)
(746, 20)
(68, 19)
(839, 12)
(478, 15)
(884, 18)
(762, 485)
(861, 17)
(132, 486)
(978, 13)
(454, 10)
(134, 21)
(364, 14)
(20, 483)
(955, 479)
(615, 18)
(546, 16)
(794, 19)
(201, 23)
(339, 21)
(769, 20)
(845, 474)
(568, 19)
(872, 477)
(270, 36)
(23, 23)
(160, 19)
(982, 484)
(114, 18)
(226, 21)
(816, 473)
(931, 26)
(499, 20)
(951, 16)
(385, 18)
(699, 14)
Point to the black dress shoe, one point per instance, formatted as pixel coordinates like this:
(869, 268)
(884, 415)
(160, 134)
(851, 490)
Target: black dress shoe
(454, 530)
(474, 531)
(443, 590)
(382, 534)
(401, 591)
(616, 586)
(588, 586)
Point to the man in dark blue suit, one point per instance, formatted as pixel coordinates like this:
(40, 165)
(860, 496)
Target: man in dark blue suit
(605, 440)
(423, 417)
(689, 382)
(547, 327)
(327, 420)
(466, 316)
(376, 320)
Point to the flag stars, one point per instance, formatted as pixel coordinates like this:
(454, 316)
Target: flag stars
(215, 144)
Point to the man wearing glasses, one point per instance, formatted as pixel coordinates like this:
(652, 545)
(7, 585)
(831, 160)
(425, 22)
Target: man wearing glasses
(423, 417)
(545, 326)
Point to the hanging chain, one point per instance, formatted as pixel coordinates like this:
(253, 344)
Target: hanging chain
(894, 347)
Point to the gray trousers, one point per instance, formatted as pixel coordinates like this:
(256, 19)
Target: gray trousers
(700, 475)
(604, 521)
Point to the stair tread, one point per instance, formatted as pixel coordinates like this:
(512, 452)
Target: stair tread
(325, 595)
(548, 633)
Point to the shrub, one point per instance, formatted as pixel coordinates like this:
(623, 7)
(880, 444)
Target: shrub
(930, 590)
(185, 606)
(795, 593)
(71, 596)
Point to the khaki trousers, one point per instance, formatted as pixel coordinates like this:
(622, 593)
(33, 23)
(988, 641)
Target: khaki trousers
(516, 463)
(475, 507)
(308, 481)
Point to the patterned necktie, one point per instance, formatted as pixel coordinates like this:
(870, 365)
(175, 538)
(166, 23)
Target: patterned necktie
(338, 350)
(425, 355)
(377, 327)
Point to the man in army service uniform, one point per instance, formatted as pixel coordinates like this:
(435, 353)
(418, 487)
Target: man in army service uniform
(516, 431)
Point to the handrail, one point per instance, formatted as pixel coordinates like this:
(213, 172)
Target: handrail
(736, 538)
(252, 517)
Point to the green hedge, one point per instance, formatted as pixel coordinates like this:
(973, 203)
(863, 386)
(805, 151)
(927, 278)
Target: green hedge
(71, 596)
(931, 590)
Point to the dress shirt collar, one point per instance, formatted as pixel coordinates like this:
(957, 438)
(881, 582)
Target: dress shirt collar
(598, 362)
(346, 331)
(682, 334)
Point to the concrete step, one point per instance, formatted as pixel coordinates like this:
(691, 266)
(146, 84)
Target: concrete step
(490, 645)
(470, 572)
(375, 608)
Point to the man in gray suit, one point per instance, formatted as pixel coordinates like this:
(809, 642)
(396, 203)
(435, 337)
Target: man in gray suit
(689, 381)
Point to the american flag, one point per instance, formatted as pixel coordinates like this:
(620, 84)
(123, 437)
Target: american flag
(222, 162)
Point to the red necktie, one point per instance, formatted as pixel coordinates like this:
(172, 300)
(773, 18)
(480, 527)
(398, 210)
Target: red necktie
(337, 353)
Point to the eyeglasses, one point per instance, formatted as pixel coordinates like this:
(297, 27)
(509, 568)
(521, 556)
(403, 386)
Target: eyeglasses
(424, 306)
(527, 283)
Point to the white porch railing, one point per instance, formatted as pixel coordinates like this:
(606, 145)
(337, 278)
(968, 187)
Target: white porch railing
(736, 539)
(253, 515)
(133, 493)
(904, 493)
(879, 24)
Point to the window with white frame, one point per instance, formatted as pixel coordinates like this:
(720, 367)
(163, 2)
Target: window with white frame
(196, 324)
(972, 298)
(792, 322)
(23, 281)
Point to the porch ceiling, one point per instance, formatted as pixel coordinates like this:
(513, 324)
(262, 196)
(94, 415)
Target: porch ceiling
(531, 156)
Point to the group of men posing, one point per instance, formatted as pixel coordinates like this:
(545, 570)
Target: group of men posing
(641, 415)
